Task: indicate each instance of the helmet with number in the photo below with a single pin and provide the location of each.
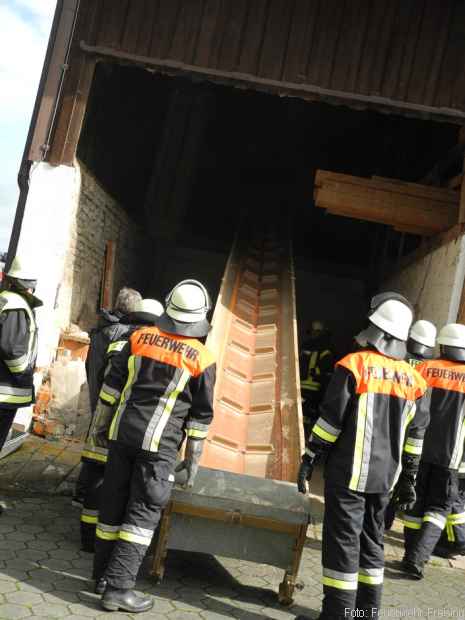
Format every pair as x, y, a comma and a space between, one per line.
451, 339
422, 339
186, 311
390, 318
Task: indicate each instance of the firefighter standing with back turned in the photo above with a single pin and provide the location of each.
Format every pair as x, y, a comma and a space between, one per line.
420, 347
162, 383
316, 362
138, 312
437, 483
371, 424
18, 342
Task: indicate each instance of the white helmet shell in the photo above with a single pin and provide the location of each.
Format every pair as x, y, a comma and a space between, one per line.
22, 268
424, 332
393, 317
452, 335
151, 306
188, 302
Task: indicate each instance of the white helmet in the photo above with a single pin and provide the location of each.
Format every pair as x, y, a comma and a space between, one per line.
452, 335
392, 316
22, 268
188, 302
424, 332
150, 306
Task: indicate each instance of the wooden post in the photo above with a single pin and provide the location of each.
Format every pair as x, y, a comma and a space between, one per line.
106, 300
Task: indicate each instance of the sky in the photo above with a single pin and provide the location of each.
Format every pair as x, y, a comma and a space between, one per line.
24, 31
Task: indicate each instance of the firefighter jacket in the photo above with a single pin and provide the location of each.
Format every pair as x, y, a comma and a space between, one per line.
316, 365
18, 348
374, 410
444, 439
163, 386
106, 341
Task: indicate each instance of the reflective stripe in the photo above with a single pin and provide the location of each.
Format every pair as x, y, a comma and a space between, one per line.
139, 535
413, 446
457, 453
359, 441
367, 440
89, 516
170, 402
91, 453
192, 432
116, 346
107, 532
158, 411
107, 398
19, 364
325, 431
133, 372
450, 532
7, 398
339, 580
456, 519
197, 429
310, 453
413, 523
371, 576
436, 519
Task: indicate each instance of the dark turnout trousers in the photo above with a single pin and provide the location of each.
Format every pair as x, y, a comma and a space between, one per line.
7, 415
353, 551
94, 476
136, 488
437, 490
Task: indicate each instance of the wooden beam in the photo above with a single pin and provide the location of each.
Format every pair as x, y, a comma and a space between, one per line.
407, 207
462, 199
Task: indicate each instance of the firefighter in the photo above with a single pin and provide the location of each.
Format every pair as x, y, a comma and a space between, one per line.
420, 347
109, 330
18, 341
316, 365
437, 482
116, 334
159, 389
374, 400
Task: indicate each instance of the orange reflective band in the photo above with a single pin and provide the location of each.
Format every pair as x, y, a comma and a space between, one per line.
185, 353
378, 374
443, 374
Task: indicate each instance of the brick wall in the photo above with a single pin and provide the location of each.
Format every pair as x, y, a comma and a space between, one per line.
434, 283
100, 219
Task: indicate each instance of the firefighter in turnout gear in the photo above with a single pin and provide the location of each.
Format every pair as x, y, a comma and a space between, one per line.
111, 328
420, 347
145, 312
316, 365
437, 482
159, 390
18, 341
371, 426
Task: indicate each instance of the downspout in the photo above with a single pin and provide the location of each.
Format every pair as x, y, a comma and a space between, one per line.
26, 163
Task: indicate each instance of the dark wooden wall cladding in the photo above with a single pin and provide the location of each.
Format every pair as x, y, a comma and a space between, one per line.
405, 50
388, 54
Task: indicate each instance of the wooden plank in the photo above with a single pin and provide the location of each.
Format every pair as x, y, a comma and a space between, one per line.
276, 38
399, 37
444, 15
106, 300
330, 26
135, 17
383, 47
357, 49
234, 30
440, 194
415, 20
112, 26
292, 71
373, 36
344, 56
253, 36
186, 31
454, 59
207, 32
164, 28
150, 18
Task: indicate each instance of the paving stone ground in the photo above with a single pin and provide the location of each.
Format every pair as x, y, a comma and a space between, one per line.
44, 574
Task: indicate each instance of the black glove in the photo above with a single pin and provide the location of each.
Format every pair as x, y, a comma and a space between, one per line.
404, 496
194, 448
305, 473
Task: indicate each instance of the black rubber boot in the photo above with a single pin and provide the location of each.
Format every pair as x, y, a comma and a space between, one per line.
412, 570
125, 600
100, 586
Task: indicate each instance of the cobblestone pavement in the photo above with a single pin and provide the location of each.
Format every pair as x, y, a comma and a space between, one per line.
43, 574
